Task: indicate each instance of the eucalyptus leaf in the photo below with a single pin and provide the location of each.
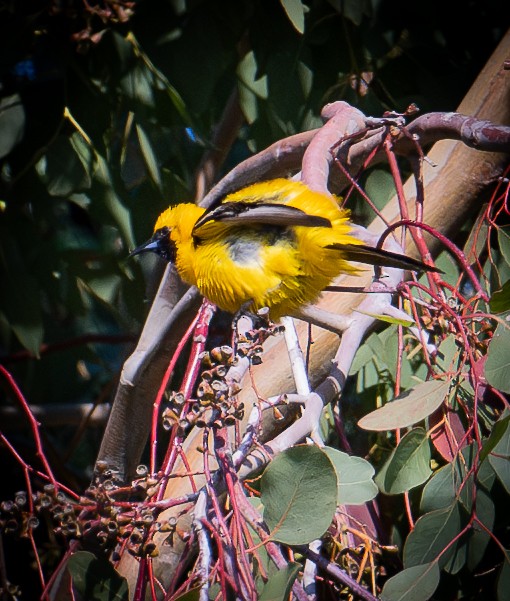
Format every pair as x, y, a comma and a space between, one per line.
499, 458
296, 12
149, 156
388, 319
408, 465
500, 300
12, 123
299, 491
355, 478
441, 490
417, 583
497, 366
504, 242
479, 538
503, 590
279, 585
408, 408
431, 535
96, 579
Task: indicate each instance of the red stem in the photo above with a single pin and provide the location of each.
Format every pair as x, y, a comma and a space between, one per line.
161, 391
34, 426
459, 255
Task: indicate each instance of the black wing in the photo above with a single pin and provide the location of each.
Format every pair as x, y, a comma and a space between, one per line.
251, 213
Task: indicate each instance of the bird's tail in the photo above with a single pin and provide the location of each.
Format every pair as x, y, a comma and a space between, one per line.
378, 256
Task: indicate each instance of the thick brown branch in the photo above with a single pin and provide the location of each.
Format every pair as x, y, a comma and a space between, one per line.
223, 137
475, 133
277, 160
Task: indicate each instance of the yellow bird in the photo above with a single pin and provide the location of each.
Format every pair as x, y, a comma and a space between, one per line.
274, 244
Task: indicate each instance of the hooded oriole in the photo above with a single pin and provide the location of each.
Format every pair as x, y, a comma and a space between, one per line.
275, 244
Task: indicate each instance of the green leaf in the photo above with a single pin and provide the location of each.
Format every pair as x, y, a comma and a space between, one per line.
387, 319
451, 481
431, 535
498, 431
296, 12
500, 300
441, 490
408, 465
499, 458
380, 187
363, 356
279, 585
504, 580
298, 491
96, 579
355, 478
497, 366
105, 194
20, 295
21, 305
479, 538
63, 169
247, 73
504, 243
486, 475
12, 123
412, 584
448, 354
410, 407
148, 156
192, 595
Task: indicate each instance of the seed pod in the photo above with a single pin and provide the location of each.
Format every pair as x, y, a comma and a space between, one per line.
101, 466
49, 489
216, 354
7, 506
20, 498
204, 390
136, 537
205, 358
148, 519
219, 386
32, 522
178, 398
111, 526
227, 352
221, 371
150, 549
142, 470
45, 501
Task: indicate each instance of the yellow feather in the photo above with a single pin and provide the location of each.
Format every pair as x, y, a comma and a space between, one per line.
281, 267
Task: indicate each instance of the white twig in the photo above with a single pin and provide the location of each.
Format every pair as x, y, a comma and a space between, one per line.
204, 554
310, 572
297, 362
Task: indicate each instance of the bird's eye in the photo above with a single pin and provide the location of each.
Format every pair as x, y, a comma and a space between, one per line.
162, 233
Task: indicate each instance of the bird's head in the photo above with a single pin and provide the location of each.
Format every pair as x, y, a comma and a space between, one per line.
160, 243
173, 229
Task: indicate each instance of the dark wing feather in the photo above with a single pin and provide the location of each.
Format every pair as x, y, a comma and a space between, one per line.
251, 213
381, 257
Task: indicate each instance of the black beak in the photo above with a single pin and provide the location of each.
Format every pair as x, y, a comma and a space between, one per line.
160, 243
149, 246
